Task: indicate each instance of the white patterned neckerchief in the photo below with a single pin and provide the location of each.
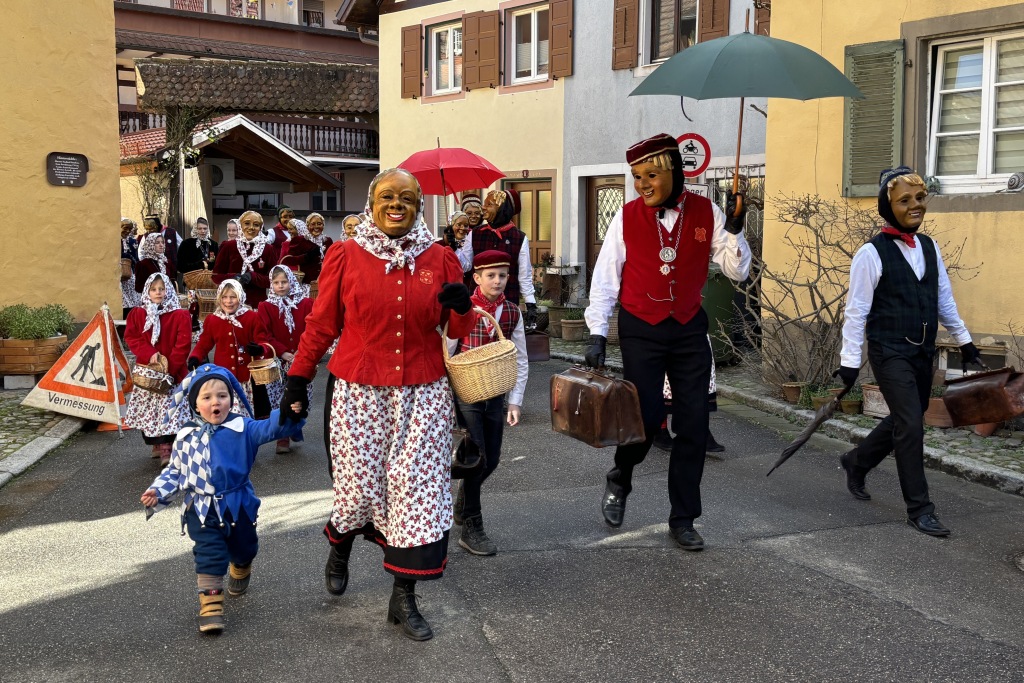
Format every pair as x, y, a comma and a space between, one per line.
154, 311
147, 250
257, 243
290, 301
398, 252
242, 308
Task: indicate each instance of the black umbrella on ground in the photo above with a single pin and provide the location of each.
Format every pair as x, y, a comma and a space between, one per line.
824, 413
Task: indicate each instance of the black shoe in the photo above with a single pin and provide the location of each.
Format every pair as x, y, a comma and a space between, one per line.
663, 440
474, 538
459, 505
687, 538
713, 446
929, 524
402, 610
613, 507
854, 480
336, 571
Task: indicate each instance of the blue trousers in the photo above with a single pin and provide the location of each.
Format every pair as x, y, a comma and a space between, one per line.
215, 545
485, 422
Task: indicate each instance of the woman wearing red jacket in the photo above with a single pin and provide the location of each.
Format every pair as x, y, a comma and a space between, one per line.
152, 260
157, 329
283, 316
236, 331
247, 259
300, 253
389, 421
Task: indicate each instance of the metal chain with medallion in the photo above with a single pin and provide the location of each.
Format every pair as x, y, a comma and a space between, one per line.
668, 254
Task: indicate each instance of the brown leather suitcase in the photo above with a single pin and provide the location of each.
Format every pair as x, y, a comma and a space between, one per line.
538, 346
984, 397
595, 408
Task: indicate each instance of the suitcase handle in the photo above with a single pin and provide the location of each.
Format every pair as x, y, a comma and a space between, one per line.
554, 398
579, 402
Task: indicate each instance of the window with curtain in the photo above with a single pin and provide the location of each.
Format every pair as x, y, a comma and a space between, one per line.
977, 113
446, 59
247, 9
672, 26
530, 44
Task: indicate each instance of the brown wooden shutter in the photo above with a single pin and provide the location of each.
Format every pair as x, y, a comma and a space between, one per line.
714, 19
762, 19
626, 34
560, 32
481, 46
412, 61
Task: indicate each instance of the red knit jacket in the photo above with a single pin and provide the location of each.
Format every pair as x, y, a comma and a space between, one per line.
174, 342
230, 342
229, 264
302, 255
145, 268
279, 337
390, 320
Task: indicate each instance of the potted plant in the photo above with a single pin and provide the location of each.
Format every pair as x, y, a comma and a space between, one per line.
820, 396
792, 391
542, 314
874, 402
986, 428
32, 339
937, 415
574, 327
852, 402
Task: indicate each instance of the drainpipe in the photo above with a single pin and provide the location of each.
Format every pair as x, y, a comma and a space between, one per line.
366, 41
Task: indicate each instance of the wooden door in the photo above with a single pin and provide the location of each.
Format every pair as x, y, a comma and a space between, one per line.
605, 196
536, 218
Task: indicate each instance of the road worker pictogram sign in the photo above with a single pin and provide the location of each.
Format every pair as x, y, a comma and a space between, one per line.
90, 379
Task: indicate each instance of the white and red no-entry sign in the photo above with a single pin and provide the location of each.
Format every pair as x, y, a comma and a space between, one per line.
696, 153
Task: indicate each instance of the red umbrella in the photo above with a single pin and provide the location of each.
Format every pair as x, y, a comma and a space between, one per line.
447, 170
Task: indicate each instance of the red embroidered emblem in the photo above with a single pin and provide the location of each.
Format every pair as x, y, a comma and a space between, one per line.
427, 277
700, 234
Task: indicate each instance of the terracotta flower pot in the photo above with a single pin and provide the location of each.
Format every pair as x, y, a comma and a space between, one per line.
874, 402
791, 390
851, 406
819, 401
574, 330
986, 429
937, 415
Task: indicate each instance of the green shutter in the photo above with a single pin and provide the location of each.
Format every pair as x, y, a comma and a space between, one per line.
873, 126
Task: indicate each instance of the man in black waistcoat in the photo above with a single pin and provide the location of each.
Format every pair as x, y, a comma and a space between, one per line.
899, 293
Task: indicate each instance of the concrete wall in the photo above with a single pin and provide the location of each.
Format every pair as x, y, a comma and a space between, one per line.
601, 121
60, 64
805, 153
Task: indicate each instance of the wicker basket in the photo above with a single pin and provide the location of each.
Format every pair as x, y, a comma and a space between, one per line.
299, 275
199, 279
314, 289
207, 302
126, 269
153, 377
265, 370
484, 372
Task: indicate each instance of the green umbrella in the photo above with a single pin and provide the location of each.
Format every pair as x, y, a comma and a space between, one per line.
747, 65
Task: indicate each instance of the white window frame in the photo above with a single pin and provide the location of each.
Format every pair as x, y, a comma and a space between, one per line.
983, 180
534, 77
646, 24
453, 51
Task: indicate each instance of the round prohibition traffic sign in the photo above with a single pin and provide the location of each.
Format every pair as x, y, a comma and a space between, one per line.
696, 153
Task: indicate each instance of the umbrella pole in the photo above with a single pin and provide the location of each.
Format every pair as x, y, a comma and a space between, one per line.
736, 171
444, 190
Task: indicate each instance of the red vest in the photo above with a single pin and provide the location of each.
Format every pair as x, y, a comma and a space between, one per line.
645, 291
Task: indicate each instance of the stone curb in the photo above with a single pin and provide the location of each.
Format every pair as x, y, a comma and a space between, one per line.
993, 476
29, 454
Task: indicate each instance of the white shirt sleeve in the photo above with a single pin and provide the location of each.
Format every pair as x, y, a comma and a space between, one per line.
949, 316
526, 273
515, 397
271, 235
865, 271
607, 278
729, 251
465, 253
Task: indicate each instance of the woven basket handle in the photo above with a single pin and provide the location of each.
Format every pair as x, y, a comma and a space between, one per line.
160, 365
477, 309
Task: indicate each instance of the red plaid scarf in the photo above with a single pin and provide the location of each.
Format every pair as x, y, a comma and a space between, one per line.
483, 333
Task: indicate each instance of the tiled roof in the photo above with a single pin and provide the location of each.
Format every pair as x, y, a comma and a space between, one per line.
203, 47
142, 143
281, 87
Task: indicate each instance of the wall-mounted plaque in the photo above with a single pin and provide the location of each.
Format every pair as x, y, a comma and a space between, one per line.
66, 168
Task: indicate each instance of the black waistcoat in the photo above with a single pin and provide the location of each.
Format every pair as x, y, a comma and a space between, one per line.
904, 313
510, 242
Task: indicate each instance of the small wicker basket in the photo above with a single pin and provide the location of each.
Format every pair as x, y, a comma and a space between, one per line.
265, 370
126, 269
299, 275
314, 289
153, 377
207, 302
199, 279
484, 372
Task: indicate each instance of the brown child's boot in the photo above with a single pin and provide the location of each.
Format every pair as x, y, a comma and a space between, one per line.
238, 579
156, 451
211, 611
165, 454
284, 446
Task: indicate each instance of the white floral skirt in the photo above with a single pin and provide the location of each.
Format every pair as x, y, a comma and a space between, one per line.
129, 297
275, 390
712, 388
147, 410
391, 460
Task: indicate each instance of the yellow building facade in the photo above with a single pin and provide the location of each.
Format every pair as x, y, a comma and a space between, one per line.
953, 118
517, 127
62, 242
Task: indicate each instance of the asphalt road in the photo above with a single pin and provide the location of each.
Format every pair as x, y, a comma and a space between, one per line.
799, 581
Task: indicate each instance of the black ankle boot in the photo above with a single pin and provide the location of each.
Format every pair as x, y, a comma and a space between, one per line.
336, 571
402, 610
475, 539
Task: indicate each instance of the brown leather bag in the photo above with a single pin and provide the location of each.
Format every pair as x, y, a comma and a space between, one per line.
983, 397
538, 346
595, 408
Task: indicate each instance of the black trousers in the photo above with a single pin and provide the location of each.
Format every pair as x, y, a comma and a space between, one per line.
649, 352
485, 422
905, 379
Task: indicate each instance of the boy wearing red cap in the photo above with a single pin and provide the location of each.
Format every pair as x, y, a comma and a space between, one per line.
485, 419
655, 259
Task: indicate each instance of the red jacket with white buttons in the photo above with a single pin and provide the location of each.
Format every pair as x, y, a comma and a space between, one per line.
390, 321
280, 338
230, 342
173, 344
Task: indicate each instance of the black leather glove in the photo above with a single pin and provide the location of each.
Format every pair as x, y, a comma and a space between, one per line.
595, 352
244, 279
294, 392
449, 237
255, 350
531, 316
193, 363
455, 295
847, 375
733, 223
969, 354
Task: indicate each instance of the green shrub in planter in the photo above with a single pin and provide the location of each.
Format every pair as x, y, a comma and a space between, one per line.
21, 322
574, 313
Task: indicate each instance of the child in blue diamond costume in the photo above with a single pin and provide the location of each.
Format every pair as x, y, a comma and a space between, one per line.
210, 465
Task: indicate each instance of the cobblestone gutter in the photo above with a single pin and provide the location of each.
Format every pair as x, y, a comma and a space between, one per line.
27, 434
